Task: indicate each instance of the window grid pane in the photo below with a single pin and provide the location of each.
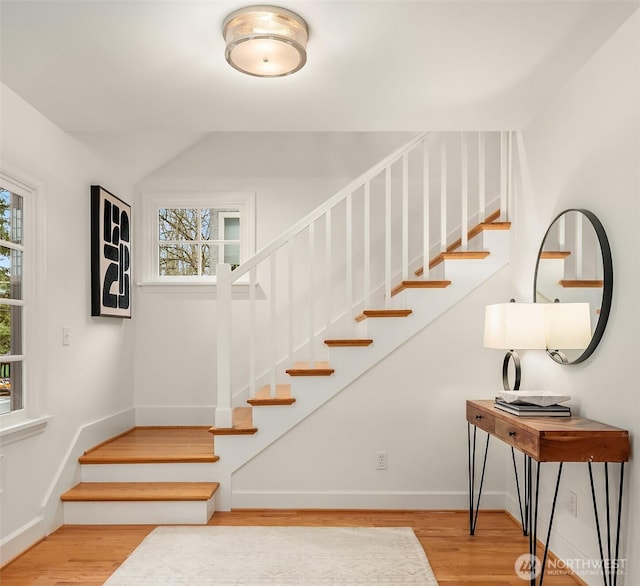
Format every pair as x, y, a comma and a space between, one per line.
191, 241
177, 224
179, 259
11, 315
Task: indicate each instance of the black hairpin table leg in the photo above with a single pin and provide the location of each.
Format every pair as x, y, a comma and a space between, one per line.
610, 565
524, 510
474, 505
537, 571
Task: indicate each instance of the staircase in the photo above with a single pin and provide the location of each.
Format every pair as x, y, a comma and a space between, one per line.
148, 475
367, 278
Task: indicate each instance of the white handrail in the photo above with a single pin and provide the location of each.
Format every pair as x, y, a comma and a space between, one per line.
327, 205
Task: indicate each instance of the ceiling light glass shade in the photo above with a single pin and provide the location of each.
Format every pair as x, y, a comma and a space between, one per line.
515, 326
265, 41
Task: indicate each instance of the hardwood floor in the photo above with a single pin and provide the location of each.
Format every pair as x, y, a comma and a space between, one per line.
88, 555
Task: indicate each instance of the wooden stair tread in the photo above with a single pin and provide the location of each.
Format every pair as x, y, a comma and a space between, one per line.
426, 284
141, 491
349, 342
263, 396
488, 224
466, 254
242, 423
152, 445
495, 226
306, 369
551, 254
593, 283
383, 313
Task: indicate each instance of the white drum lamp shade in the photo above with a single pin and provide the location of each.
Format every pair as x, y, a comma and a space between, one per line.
569, 326
515, 326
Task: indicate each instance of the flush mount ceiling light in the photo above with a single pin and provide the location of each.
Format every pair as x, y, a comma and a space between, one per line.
265, 41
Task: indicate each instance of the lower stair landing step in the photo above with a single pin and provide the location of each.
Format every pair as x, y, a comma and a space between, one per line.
141, 491
155, 445
126, 503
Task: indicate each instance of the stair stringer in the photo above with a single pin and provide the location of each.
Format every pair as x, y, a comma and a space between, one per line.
350, 363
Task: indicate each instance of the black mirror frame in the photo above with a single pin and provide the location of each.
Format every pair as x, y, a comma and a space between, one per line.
607, 290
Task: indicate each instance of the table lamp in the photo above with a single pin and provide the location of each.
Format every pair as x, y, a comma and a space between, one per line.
515, 326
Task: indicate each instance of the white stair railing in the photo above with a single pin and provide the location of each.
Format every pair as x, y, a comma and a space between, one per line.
347, 254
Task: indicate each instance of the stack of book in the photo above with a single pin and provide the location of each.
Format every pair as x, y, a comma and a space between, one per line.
523, 409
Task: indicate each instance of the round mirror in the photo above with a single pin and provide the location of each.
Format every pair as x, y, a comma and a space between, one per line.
574, 271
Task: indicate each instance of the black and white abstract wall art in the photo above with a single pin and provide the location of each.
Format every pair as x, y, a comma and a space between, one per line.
110, 254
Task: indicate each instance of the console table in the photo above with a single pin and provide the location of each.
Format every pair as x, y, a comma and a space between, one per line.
549, 439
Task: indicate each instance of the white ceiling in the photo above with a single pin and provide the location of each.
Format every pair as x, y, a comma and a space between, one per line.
157, 67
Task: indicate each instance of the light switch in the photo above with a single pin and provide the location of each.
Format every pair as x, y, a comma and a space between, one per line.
66, 336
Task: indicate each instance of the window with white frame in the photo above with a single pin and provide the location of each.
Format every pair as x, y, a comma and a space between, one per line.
186, 236
22, 296
11, 301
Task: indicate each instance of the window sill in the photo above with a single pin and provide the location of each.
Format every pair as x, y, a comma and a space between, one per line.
238, 290
23, 430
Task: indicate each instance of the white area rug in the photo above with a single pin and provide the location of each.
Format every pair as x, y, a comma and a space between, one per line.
278, 556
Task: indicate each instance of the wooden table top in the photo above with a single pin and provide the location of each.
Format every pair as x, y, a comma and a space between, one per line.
552, 439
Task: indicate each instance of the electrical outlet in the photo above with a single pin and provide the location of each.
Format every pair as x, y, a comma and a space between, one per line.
572, 505
382, 460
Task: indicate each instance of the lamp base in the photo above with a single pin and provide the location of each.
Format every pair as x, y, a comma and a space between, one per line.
511, 354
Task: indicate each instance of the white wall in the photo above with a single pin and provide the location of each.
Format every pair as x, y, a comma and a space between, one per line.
291, 174
583, 151
411, 405
89, 380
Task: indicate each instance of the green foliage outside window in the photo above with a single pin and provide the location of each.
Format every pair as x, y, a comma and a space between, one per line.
10, 268
5, 273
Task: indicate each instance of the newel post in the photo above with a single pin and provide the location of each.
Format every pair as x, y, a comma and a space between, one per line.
223, 294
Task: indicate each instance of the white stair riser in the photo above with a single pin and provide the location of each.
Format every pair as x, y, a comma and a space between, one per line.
169, 472
138, 512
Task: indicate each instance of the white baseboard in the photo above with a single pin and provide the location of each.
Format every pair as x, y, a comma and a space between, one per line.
362, 500
21, 539
150, 415
68, 474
